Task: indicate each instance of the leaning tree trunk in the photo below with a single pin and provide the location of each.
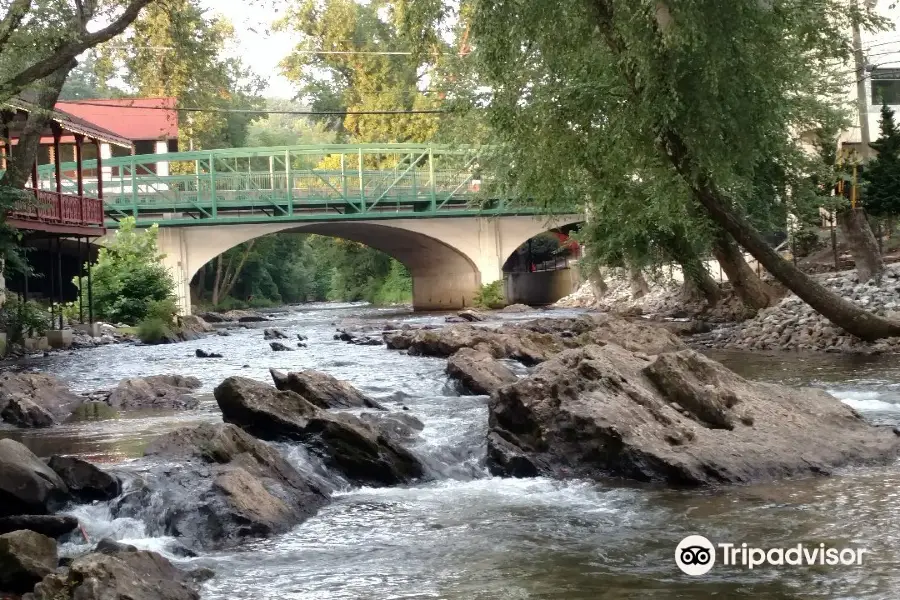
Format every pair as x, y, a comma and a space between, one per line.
698, 282
598, 284
862, 243
752, 290
639, 285
846, 315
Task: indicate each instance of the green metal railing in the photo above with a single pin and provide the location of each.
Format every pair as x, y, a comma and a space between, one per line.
294, 183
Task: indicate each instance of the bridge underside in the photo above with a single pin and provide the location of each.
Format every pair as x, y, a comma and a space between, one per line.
449, 258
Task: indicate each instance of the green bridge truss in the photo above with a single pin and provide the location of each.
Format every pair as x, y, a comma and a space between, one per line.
288, 183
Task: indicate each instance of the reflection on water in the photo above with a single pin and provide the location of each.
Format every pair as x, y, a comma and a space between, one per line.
470, 536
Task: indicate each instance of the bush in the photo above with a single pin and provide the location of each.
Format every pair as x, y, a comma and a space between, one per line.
23, 319
163, 310
129, 276
490, 295
154, 331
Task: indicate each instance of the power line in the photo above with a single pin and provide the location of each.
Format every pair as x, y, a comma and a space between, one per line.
265, 111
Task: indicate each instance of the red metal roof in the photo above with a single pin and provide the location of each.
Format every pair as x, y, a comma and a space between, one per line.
132, 118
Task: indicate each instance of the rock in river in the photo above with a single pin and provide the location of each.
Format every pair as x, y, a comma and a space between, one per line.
27, 485
279, 347
273, 333
526, 346
221, 486
479, 372
85, 481
323, 390
50, 525
345, 443
155, 392
26, 557
678, 418
35, 399
120, 572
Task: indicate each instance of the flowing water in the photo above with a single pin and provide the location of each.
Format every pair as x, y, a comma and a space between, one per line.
471, 536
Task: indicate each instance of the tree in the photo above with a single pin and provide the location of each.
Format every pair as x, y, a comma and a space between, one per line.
882, 174
696, 99
176, 49
129, 279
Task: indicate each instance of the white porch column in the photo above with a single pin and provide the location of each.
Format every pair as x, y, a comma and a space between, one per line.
106, 153
162, 168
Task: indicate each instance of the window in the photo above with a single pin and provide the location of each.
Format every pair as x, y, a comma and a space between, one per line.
885, 87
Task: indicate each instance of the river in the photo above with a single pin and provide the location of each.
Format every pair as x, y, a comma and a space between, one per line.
470, 536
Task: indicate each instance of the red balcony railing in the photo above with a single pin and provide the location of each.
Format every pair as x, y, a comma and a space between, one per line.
60, 209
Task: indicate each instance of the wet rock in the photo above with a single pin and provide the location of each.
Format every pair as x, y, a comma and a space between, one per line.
454, 320
526, 346
85, 481
22, 412
224, 486
344, 336
399, 426
598, 412
27, 485
50, 525
366, 341
193, 324
323, 390
472, 316
274, 334
204, 354
279, 347
516, 308
119, 572
301, 337
26, 557
211, 317
478, 372
155, 392
244, 316
345, 443
34, 396
223, 333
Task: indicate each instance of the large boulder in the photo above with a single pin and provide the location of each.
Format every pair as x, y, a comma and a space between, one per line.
322, 389
215, 486
471, 315
50, 525
401, 427
478, 372
158, 392
28, 399
21, 411
632, 334
192, 327
119, 572
528, 347
678, 418
345, 443
85, 481
274, 333
26, 557
27, 485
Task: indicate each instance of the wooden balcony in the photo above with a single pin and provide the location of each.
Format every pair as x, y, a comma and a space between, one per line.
56, 213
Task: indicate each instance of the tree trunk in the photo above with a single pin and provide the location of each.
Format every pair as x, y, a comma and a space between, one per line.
639, 285
752, 290
861, 241
698, 282
846, 315
26, 150
217, 283
231, 276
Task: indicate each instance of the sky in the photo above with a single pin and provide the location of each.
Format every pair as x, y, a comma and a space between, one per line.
258, 46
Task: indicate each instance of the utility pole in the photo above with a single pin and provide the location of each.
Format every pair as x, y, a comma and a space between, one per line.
861, 100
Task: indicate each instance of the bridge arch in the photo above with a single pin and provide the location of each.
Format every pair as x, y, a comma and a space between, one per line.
448, 258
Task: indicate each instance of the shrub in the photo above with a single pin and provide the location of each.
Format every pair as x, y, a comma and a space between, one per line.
490, 295
163, 310
23, 319
154, 331
129, 276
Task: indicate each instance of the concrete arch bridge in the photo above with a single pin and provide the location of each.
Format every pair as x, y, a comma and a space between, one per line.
421, 204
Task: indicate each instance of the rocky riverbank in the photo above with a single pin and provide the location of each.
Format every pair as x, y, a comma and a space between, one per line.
792, 325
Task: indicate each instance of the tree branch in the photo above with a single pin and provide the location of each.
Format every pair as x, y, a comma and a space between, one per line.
65, 53
13, 18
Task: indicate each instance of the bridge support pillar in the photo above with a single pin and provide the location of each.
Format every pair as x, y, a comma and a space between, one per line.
173, 245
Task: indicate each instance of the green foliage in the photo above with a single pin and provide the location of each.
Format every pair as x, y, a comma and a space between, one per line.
882, 175
162, 310
23, 319
129, 277
154, 330
490, 295
176, 49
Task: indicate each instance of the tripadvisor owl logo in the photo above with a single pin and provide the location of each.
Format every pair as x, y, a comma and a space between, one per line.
695, 555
